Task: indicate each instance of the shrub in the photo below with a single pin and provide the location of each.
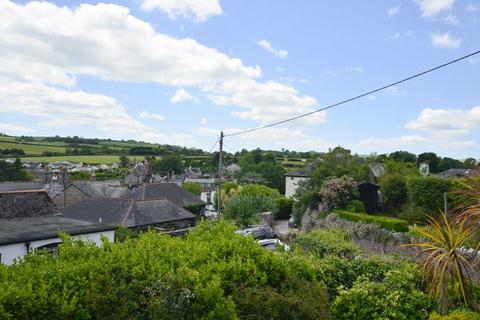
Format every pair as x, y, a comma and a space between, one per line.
384, 222
427, 192
244, 209
394, 191
337, 192
396, 297
355, 206
193, 187
158, 277
456, 315
257, 190
327, 242
303, 300
284, 206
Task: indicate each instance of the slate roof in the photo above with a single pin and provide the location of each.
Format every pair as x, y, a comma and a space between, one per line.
16, 186
46, 227
458, 173
22, 204
169, 191
102, 189
127, 212
304, 172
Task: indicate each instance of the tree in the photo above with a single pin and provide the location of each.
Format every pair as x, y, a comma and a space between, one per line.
166, 165
431, 158
449, 163
244, 209
13, 171
470, 163
337, 192
337, 163
193, 187
124, 161
403, 156
444, 267
394, 191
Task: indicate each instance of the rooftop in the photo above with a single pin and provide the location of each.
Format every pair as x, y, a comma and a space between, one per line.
27, 203
169, 191
45, 227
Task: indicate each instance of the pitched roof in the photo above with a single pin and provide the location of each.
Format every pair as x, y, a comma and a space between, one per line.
127, 212
169, 191
45, 227
458, 173
306, 171
102, 189
16, 186
29, 203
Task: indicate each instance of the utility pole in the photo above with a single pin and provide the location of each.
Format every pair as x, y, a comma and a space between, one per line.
220, 171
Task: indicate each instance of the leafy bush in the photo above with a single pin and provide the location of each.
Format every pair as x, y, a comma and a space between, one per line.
456, 315
257, 190
384, 222
326, 242
337, 192
193, 187
427, 192
158, 277
284, 206
396, 297
244, 209
355, 206
394, 191
302, 300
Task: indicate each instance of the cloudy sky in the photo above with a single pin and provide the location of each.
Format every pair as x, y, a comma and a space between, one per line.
179, 71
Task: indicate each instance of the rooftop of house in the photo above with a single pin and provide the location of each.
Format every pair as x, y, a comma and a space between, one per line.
45, 227
458, 173
126, 212
303, 172
16, 186
25, 203
170, 191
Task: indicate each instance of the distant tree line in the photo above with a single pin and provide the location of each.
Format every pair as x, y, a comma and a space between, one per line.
13, 171
5, 153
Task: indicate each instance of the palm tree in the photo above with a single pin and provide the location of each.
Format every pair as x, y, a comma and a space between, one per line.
444, 267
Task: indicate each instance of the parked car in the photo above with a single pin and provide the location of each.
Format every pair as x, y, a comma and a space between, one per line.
291, 222
258, 232
211, 214
273, 244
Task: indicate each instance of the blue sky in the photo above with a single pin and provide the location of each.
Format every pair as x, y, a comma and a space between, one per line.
178, 71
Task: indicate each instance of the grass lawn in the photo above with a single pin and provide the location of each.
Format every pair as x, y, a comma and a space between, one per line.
30, 149
91, 159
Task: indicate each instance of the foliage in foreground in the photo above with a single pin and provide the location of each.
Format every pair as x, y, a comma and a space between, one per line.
245, 209
327, 242
212, 274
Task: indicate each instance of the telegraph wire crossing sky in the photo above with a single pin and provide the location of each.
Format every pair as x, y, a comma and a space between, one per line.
180, 71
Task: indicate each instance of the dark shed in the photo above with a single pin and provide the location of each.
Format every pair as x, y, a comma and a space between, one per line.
369, 195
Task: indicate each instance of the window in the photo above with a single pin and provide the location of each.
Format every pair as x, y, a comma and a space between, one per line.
48, 248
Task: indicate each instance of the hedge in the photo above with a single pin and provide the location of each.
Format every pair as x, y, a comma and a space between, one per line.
384, 222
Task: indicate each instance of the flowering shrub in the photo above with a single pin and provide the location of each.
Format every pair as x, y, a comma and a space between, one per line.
337, 192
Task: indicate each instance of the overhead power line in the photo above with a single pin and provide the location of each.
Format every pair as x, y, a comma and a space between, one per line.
356, 97
211, 149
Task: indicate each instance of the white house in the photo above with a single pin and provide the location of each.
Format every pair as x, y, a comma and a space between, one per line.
23, 235
293, 178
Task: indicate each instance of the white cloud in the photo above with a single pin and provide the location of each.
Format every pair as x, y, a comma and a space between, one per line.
267, 102
197, 10
450, 121
373, 144
445, 41
66, 108
41, 42
181, 139
393, 11
431, 8
471, 8
401, 35
14, 129
474, 60
148, 115
268, 46
182, 95
204, 121
356, 69
451, 19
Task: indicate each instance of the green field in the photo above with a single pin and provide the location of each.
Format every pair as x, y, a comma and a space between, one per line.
31, 148
93, 159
